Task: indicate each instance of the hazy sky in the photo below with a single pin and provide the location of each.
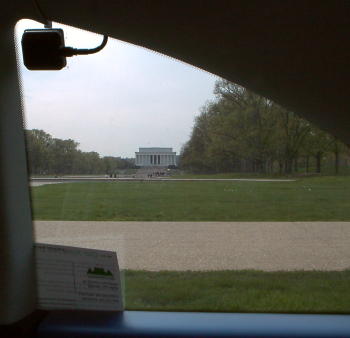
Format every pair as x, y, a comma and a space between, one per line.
117, 100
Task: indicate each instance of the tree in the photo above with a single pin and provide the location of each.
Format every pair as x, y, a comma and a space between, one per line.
291, 131
47, 155
337, 148
242, 131
39, 144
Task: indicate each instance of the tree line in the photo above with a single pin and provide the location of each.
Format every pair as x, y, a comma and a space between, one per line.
240, 131
53, 156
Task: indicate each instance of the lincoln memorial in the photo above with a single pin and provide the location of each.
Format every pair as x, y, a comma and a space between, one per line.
155, 157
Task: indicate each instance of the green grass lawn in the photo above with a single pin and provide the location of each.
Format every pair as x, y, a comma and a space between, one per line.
239, 291
309, 199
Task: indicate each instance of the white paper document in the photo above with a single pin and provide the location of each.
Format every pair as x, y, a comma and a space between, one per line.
77, 278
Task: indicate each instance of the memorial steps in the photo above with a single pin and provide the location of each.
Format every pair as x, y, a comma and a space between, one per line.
144, 172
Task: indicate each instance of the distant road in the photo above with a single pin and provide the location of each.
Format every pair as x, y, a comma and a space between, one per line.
40, 181
157, 246
34, 183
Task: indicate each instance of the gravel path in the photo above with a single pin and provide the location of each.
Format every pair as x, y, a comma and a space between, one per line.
34, 182
38, 184
156, 246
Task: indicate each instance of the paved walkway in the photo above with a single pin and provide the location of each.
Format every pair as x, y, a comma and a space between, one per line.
210, 245
38, 184
41, 181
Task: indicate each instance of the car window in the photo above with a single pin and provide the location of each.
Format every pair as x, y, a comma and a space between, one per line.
214, 198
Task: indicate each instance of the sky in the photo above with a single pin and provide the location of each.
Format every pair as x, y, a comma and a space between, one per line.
117, 100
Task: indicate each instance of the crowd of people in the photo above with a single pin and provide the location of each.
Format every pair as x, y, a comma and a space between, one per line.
156, 174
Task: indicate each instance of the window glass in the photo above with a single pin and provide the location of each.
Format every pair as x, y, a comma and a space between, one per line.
213, 197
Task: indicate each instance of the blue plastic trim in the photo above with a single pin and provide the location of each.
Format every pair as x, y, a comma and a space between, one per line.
188, 324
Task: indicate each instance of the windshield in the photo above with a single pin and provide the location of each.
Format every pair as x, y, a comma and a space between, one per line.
213, 197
